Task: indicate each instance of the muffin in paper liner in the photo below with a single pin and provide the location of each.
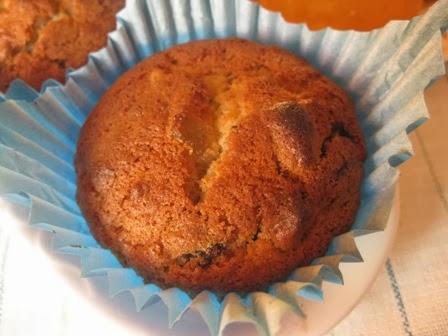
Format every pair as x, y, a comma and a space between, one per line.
385, 71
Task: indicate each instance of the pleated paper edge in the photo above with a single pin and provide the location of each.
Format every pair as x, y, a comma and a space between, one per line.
255, 307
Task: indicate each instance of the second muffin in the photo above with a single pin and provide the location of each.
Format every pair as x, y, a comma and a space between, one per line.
40, 39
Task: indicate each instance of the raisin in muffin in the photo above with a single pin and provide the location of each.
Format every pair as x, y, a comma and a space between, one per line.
221, 165
40, 39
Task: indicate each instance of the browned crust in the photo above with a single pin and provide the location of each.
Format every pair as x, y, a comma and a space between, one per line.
221, 165
40, 39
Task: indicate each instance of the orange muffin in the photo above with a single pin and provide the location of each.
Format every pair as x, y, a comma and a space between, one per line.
347, 14
220, 165
40, 39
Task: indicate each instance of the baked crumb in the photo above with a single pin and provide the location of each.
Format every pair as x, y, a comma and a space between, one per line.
221, 165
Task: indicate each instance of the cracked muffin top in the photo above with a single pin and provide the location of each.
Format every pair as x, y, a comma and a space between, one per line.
40, 39
220, 165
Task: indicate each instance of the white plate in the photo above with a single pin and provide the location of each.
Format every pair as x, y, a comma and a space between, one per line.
44, 295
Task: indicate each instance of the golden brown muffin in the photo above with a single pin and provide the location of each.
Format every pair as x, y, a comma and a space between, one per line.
220, 164
40, 39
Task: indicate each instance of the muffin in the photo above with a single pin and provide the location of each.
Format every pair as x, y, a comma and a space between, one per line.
220, 165
346, 14
40, 39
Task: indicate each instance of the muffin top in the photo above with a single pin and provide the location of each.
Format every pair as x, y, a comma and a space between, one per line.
40, 39
220, 164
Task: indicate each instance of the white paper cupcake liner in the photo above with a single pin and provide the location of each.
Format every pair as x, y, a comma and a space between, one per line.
385, 71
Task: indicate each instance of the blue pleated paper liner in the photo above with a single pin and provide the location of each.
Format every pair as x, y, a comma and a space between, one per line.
385, 71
